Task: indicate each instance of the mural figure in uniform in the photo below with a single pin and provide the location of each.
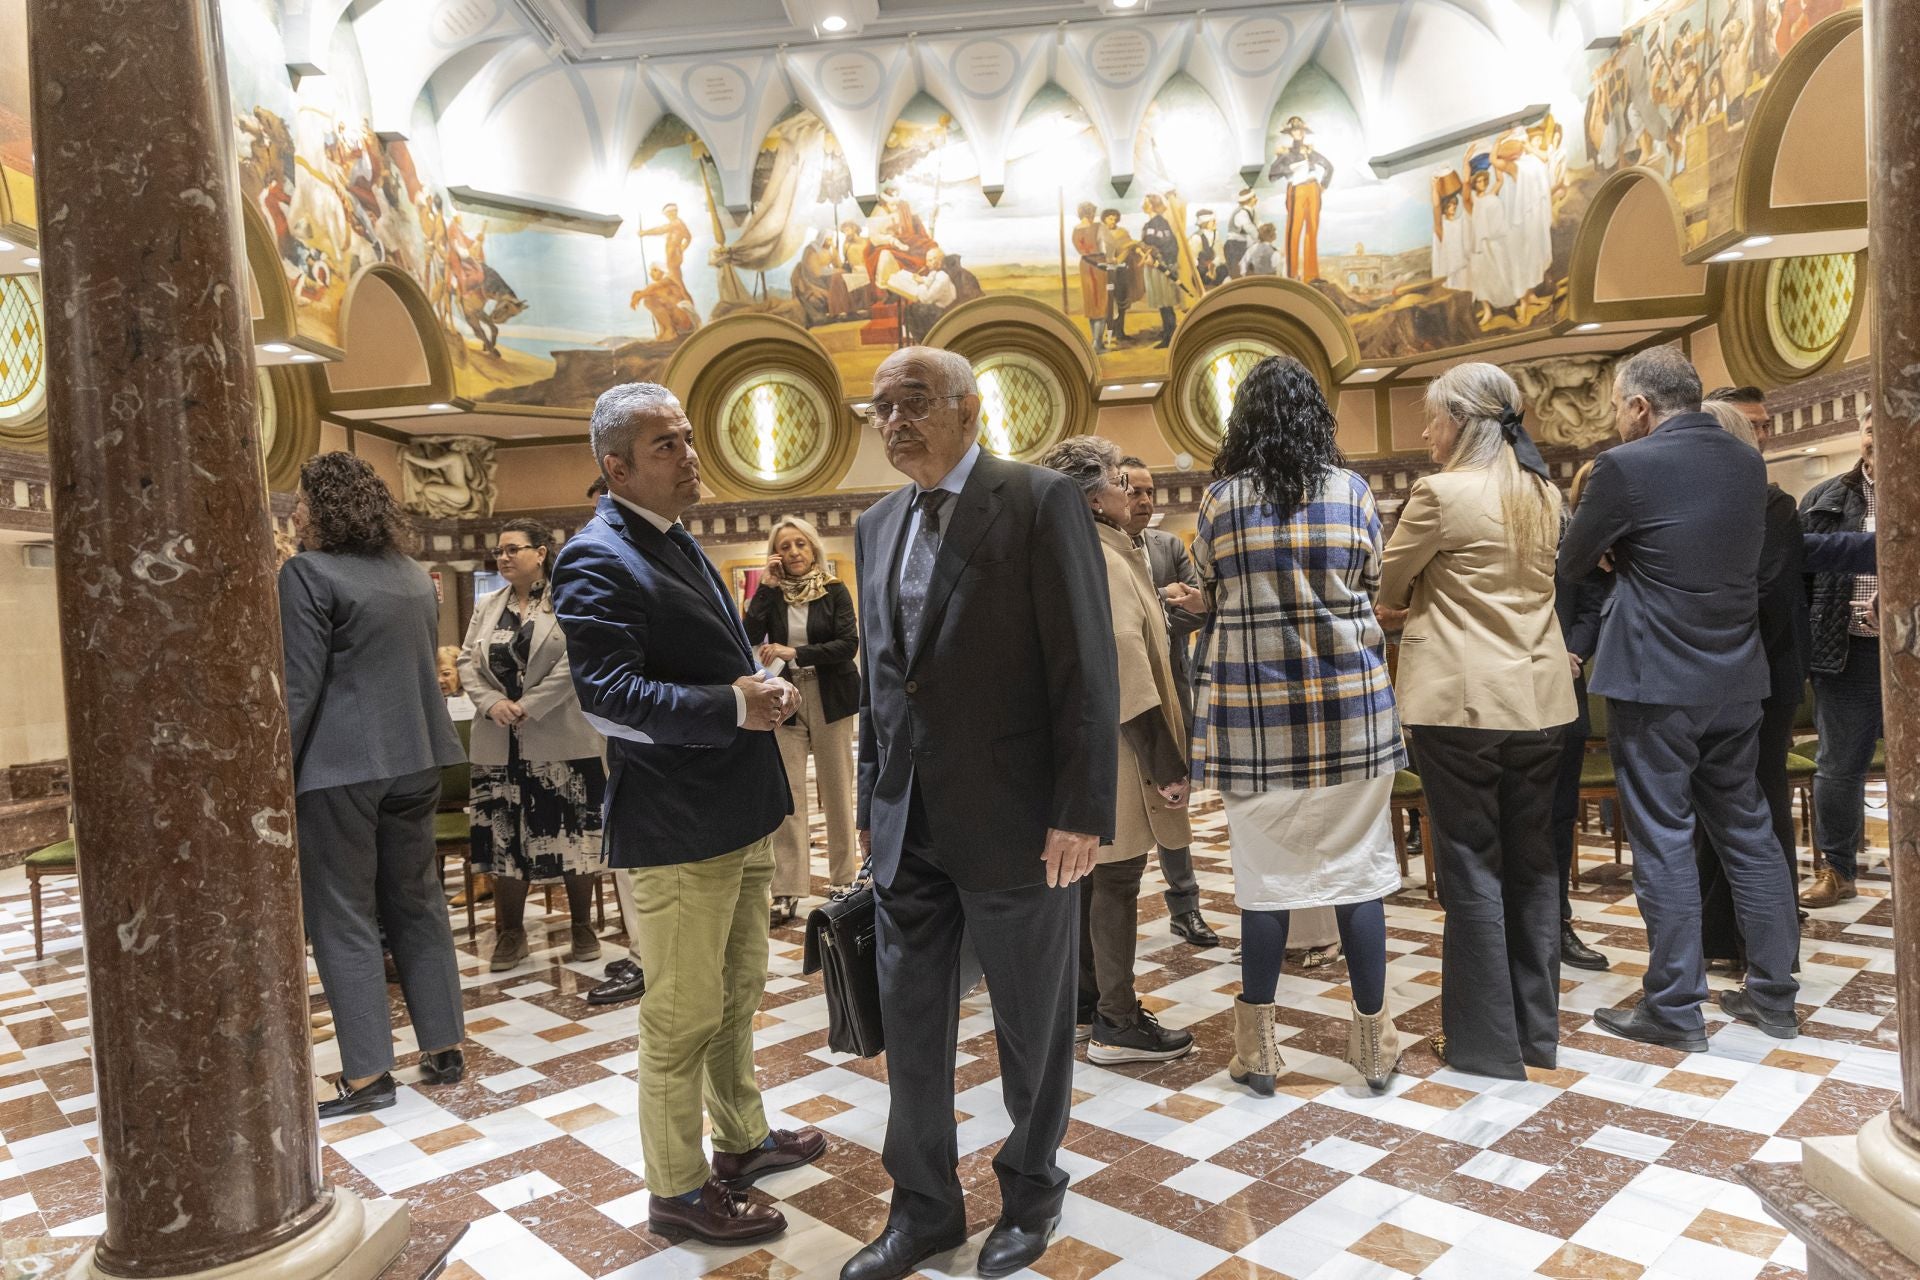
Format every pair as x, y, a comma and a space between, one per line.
1209, 259
1243, 230
1093, 271
1160, 265
1307, 174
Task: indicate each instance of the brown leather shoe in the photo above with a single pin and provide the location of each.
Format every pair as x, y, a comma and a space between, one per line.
721, 1217
791, 1148
1827, 888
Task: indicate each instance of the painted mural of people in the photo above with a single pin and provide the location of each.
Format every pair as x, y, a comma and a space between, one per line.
1161, 265
1209, 258
667, 302
929, 292
1243, 229
1494, 276
1307, 174
813, 279
1526, 192
677, 239
1264, 258
1123, 281
1093, 275
1452, 232
897, 240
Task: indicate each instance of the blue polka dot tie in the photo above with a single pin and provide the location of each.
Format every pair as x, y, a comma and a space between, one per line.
918, 575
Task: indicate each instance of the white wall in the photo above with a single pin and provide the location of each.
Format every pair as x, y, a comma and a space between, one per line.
33, 715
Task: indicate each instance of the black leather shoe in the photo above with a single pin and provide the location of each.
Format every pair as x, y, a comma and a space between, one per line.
1189, 925
449, 1066
1577, 953
1739, 1006
624, 967
628, 984
377, 1096
896, 1254
1637, 1024
1009, 1248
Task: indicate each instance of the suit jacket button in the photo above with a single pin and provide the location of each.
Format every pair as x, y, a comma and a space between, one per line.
913, 686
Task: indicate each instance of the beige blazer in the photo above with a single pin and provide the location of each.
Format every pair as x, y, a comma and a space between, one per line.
554, 728
1481, 648
1141, 816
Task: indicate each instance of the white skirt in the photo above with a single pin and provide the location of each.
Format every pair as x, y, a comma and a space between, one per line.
1312, 847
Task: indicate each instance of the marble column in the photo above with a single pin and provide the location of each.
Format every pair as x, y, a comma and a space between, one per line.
182, 776
1856, 1201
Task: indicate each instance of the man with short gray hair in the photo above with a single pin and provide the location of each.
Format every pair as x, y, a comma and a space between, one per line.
1681, 508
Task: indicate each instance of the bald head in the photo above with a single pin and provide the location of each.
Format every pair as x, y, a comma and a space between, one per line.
927, 407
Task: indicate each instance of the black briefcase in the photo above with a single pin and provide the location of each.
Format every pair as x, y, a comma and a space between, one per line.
841, 947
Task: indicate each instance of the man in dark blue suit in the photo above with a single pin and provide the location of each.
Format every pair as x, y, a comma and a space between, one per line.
989, 741
1682, 506
694, 793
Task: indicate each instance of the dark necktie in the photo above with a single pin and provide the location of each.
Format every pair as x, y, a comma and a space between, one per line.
677, 534
917, 576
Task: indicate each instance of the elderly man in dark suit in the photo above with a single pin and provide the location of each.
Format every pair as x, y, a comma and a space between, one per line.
695, 792
1178, 582
989, 744
1681, 506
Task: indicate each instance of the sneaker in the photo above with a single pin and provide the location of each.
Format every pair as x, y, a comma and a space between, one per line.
1083, 1023
1142, 1040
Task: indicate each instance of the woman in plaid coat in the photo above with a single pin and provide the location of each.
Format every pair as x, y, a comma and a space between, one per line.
1294, 718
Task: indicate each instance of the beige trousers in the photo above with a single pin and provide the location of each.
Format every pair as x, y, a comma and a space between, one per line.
832, 747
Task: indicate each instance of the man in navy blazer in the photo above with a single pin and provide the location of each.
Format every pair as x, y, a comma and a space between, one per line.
989, 740
694, 794
1682, 507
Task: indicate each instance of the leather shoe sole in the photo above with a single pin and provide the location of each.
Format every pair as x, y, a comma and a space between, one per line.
896, 1255
1633, 1025
1009, 1249
791, 1149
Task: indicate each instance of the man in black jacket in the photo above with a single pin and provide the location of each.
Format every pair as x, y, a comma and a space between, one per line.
1845, 660
1681, 506
989, 744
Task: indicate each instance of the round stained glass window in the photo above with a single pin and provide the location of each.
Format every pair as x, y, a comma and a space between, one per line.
1809, 301
1215, 379
1022, 406
23, 351
774, 428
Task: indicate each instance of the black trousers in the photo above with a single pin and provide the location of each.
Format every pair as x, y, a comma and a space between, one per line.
1566, 794
1109, 920
1490, 798
1029, 944
1719, 931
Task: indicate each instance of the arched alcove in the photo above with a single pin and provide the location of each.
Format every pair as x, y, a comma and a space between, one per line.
395, 350
1629, 260
1023, 352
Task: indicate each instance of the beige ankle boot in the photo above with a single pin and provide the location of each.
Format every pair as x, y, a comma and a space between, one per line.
1373, 1046
1256, 1054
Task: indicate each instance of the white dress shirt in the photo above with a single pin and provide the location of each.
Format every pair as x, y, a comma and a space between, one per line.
955, 481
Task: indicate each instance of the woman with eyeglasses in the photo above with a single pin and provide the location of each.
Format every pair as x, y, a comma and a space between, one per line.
538, 775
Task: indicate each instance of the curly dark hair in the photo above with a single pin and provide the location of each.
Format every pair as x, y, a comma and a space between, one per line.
1282, 433
349, 508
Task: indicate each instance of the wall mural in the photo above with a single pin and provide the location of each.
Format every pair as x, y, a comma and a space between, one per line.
16, 138
1469, 248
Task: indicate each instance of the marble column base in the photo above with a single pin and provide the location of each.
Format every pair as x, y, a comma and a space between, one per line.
1874, 1176
356, 1240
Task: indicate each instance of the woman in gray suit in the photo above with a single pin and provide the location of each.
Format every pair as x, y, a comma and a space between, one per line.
370, 736
538, 777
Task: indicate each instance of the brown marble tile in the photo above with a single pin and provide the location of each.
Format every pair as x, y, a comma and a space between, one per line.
1097, 1144
1260, 1153
1243, 1269
758, 1265
446, 1139
1800, 1060
1399, 1248
1698, 1085
1155, 1164
1228, 1229
1444, 1096
1836, 1107
1742, 1235
814, 1110
1071, 1258
30, 1116
1422, 1164
1181, 1106
1577, 1262
580, 1118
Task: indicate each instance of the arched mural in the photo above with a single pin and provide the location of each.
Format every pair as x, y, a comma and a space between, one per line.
1466, 250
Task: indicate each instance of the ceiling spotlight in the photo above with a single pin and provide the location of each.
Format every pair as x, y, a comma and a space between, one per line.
1730, 255
1809, 449
833, 22
32, 262
441, 408
275, 348
1364, 373
1123, 4
1149, 386
1756, 242
1589, 327
305, 357
6, 246
1114, 391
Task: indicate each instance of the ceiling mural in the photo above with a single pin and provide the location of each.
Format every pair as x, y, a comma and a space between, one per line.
16, 139
572, 224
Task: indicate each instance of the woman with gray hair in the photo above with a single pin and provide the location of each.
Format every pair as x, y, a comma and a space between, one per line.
1151, 796
1485, 686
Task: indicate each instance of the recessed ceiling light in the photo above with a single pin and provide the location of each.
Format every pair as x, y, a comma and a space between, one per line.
1589, 327
1114, 391
440, 408
6, 246
1365, 373
1149, 386
32, 262
1729, 256
833, 22
1756, 242
275, 348
1125, 4
1809, 449
305, 357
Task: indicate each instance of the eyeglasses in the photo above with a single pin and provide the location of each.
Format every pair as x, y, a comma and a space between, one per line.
501, 553
913, 408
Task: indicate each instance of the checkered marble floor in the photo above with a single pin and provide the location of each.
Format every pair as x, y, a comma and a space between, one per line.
1616, 1166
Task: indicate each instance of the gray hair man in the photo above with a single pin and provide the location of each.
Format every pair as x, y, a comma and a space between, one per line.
1681, 506
989, 742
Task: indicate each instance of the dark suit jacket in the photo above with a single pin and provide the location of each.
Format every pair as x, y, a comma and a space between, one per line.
1785, 633
1011, 700
832, 640
1168, 563
363, 684
655, 646
1684, 510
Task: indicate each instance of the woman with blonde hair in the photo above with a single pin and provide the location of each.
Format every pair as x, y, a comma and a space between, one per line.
802, 619
1485, 689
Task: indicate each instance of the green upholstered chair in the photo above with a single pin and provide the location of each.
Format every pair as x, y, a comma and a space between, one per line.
1410, 798
54, 860
452, 832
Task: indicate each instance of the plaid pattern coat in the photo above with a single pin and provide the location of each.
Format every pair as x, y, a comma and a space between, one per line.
1293, 690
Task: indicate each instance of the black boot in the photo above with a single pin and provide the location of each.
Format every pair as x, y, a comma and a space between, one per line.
1577, 953
1166, 328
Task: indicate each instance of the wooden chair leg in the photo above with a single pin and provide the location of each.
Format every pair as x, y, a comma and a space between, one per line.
39, 940
1400, 840
1426, 855
466, 872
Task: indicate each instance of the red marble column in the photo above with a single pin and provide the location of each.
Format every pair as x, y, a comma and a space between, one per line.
1893, 219
182, 776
